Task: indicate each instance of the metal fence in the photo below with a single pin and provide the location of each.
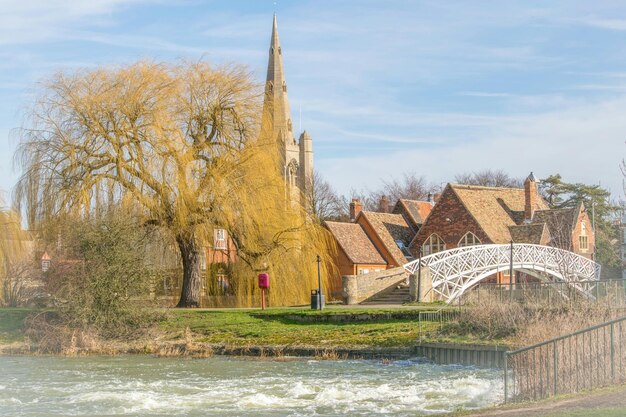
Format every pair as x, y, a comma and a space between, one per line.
589, 358
609, 292
440, 317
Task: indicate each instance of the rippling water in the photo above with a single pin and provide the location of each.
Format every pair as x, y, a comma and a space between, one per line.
147, 386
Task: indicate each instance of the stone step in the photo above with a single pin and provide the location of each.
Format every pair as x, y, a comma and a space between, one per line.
398, 295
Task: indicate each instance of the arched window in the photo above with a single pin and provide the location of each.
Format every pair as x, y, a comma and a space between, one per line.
284, 86
433, 244
292, 172
469, 239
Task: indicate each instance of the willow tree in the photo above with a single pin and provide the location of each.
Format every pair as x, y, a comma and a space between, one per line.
175, 140
11, 244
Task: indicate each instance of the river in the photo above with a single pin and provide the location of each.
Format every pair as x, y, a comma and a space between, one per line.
224, 386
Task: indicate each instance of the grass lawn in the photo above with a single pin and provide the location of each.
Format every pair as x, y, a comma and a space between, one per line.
251, 327
245, 327
12, 323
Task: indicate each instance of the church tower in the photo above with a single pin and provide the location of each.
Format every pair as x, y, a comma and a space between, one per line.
296, 158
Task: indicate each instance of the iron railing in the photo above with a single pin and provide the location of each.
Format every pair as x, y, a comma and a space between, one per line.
589, 358
608, 292
440, 317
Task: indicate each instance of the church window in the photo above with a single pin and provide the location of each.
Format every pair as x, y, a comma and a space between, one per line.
292, 171
284, 86
469, 239
280, 52
289, 125
272, 50
433, 244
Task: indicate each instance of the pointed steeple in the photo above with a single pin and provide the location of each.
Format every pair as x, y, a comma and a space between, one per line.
276, 111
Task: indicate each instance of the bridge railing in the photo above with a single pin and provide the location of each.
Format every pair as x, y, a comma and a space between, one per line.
454, 271
589, 358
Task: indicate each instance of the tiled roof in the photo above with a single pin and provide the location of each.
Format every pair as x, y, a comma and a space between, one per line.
536, 234
389, 228
416, 210
357, 246
495, 208
560, 223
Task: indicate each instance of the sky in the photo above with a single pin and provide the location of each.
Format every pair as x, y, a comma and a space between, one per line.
434, 88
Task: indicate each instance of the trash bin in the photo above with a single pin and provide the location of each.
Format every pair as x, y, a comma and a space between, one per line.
315, 300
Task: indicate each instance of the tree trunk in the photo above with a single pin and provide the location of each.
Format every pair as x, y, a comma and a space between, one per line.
192, 280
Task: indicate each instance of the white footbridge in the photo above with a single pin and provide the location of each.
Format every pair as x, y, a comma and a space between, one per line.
457, 270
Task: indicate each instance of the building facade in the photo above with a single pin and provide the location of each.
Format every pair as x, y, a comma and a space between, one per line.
468, 215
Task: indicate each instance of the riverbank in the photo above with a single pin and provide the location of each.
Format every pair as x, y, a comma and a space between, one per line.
333, 333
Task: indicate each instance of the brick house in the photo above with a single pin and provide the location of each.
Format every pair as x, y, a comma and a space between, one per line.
375, 241
468, 215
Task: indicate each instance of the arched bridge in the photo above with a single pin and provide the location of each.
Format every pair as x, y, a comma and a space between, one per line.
455, 271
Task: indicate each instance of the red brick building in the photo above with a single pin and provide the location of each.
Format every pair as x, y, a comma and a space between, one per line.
472, 215
376, 241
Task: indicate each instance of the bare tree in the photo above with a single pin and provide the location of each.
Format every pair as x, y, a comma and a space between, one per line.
488, 178
324, 202
410, 187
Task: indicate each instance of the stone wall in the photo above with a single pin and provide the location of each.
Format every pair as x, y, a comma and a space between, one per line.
357, 288
427, 295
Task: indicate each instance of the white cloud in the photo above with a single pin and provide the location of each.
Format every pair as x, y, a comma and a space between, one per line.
584, 144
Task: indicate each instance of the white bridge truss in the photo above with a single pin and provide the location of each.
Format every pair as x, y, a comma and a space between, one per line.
456, 270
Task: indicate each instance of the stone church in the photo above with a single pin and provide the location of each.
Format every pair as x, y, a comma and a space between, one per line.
296, 156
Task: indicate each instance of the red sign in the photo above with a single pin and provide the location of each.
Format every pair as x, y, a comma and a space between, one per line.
264, 281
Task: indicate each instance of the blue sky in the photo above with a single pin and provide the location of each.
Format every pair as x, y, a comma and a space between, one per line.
385, 87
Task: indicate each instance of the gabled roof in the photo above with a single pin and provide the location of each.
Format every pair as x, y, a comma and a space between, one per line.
536, 234
390, 228
416, 211
495, 209
357, 246
560, 223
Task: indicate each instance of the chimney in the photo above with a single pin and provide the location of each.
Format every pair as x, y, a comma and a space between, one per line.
431, 199
355, 208
383, 204
530, 197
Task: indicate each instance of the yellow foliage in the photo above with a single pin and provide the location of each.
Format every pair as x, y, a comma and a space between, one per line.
11, 243
182, 146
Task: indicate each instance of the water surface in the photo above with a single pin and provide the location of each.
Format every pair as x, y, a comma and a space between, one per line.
222, 386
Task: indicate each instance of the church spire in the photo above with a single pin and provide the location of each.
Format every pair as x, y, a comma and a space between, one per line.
276, 111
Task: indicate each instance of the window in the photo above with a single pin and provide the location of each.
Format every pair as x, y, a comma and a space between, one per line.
469, 239
583, 240
364, 271
219, 239
432, 245
583, 243
405, 250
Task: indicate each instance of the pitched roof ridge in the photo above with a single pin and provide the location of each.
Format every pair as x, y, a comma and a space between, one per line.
483, 187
